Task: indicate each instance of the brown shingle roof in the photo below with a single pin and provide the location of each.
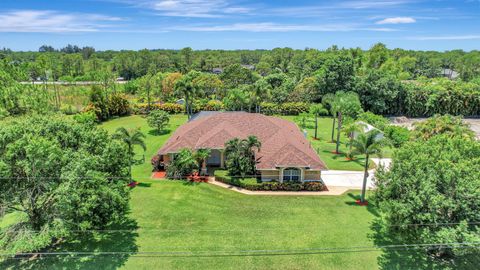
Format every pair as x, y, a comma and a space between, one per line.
282, 142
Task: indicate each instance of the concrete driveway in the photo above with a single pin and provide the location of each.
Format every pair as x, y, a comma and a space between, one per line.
352, 179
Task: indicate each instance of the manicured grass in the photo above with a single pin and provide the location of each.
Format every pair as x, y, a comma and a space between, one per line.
325, 147
154, 141
178, 225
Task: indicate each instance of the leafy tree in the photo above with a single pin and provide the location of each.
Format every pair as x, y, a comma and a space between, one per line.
235, 75
182, 164
240, 155
317, 110
131, 138
158, 119
380, 93
449, 125
433, 182
337, 74
168, 84
58, 174
237, 99
368, 143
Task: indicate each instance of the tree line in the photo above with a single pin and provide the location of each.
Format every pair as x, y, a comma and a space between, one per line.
388, 82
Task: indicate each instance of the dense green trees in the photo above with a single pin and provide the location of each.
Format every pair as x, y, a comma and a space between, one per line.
430, 194
388, 82
57, 175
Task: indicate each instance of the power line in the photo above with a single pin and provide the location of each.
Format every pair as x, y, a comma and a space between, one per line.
260, 230
257, 252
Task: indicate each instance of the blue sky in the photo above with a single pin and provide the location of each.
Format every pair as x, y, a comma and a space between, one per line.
240, 24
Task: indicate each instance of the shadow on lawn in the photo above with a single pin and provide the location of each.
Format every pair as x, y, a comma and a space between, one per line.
413, 258
402, 258
122, 239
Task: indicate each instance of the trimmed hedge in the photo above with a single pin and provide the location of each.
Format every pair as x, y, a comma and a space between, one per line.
254, 185
289, 108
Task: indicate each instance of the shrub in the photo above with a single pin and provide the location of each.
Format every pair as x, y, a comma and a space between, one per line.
171, 108
213, 105
269, 108
255, 184
88, 117
294, 108
69, 109
118, 105
289, 108
397, 135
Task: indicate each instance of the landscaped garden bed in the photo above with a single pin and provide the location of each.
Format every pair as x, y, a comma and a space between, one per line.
257, 185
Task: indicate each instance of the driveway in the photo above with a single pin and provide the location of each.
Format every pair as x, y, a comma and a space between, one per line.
352, 179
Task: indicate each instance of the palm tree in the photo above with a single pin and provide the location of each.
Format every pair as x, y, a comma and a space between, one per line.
201, 156
317, 110
349, 130
131, 138
241, 155
183, 163
368, 143
328, 101
185, 86
343, 104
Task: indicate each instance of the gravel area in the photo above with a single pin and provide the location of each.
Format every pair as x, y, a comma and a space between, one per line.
408, 122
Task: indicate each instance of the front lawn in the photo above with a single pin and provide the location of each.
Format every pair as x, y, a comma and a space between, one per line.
180, 225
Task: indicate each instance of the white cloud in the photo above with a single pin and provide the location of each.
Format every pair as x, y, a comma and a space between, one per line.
397, 20
193, 8
52, 21
274, 27
459, 37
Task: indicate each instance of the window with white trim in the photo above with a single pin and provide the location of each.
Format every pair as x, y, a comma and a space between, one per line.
291, 175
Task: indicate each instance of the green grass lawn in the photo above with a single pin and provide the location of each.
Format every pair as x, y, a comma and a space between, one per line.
324, 146
202, 226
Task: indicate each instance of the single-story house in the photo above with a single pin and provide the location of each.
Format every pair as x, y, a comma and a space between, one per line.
285, 154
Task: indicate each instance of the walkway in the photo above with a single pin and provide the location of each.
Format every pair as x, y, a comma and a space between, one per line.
332, 191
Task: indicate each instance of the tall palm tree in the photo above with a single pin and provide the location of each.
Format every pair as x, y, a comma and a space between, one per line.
186, 86
368, 143
317, 110
131, 138
328, 101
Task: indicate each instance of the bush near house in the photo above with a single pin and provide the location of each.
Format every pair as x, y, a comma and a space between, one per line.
254, 185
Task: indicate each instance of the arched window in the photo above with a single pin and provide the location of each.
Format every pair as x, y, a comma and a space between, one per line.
291, 175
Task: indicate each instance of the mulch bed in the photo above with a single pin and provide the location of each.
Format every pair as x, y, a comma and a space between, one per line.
358, 202
159, 175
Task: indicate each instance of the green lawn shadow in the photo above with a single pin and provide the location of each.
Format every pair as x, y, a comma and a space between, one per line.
119, 237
